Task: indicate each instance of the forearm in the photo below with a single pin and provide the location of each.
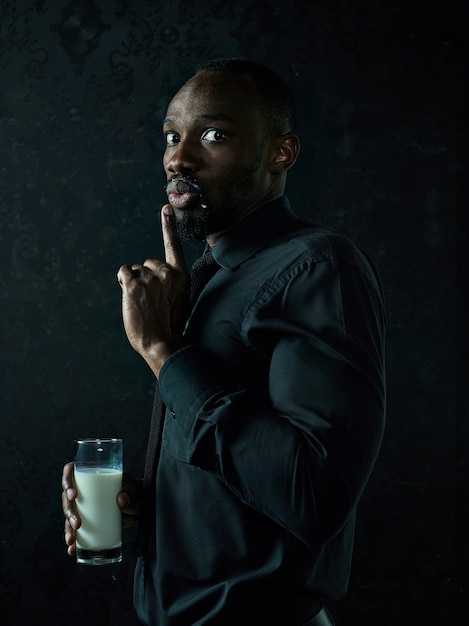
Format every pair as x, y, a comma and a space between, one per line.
285, 469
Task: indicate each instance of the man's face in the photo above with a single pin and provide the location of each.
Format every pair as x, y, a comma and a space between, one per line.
217, 154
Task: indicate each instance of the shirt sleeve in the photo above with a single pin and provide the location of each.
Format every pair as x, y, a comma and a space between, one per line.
303, 457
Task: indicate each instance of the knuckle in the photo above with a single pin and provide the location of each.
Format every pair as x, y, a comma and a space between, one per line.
165, 271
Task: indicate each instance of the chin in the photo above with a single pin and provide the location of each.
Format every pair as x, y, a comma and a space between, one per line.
192, 225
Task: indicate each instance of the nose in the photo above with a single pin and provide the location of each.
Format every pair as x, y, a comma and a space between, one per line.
181, 158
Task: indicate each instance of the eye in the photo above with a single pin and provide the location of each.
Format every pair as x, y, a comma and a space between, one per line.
172, 138
214, 135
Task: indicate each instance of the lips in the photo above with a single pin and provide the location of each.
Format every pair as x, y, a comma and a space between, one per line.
182, 192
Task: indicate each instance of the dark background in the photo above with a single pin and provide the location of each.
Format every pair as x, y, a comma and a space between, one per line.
84, 84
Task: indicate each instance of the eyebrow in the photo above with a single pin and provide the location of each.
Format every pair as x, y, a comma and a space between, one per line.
204, 118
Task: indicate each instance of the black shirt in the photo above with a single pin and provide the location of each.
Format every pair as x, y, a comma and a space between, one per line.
275, 417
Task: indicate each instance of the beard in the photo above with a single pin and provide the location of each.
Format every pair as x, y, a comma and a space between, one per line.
193, 225
208, 218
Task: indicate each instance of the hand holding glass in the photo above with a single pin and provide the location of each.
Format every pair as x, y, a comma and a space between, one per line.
98, 479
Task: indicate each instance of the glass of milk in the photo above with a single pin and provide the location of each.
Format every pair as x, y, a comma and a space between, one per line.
98, 479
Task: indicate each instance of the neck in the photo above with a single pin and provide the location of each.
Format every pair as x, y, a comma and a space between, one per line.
213, 238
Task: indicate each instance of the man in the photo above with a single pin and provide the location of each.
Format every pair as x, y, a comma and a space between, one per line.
273, 378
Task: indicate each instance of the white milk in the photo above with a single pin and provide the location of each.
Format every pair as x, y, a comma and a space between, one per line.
101, 518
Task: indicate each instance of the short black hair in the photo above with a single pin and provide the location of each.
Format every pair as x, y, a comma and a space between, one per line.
273, 90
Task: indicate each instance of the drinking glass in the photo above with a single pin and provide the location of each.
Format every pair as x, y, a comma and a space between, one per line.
98, 479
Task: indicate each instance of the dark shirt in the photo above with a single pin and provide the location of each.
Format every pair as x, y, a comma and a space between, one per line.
275, 417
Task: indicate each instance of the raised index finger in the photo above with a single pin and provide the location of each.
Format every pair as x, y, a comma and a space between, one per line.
172, 244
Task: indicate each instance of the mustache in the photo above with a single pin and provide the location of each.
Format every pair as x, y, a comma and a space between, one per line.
183, 184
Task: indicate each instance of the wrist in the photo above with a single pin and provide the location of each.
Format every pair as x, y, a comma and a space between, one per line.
159, 354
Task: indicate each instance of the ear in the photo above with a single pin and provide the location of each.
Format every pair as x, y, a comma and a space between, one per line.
285, 153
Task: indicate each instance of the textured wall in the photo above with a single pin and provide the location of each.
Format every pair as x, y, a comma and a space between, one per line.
83, 86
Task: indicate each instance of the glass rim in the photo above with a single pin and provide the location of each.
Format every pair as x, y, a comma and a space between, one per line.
98, 440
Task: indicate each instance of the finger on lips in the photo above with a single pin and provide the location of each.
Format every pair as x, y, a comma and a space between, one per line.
171, 242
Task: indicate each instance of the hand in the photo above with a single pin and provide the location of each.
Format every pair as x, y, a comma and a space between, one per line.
155, 299
128, 500
72, 519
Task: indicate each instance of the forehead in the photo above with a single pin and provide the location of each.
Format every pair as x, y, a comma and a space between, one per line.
217, 94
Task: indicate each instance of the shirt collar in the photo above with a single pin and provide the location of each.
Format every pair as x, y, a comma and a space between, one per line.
253, 233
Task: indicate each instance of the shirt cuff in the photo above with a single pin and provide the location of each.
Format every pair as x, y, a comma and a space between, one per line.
187, 380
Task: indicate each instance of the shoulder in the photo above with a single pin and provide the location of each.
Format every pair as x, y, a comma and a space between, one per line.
306, 244
319, 242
